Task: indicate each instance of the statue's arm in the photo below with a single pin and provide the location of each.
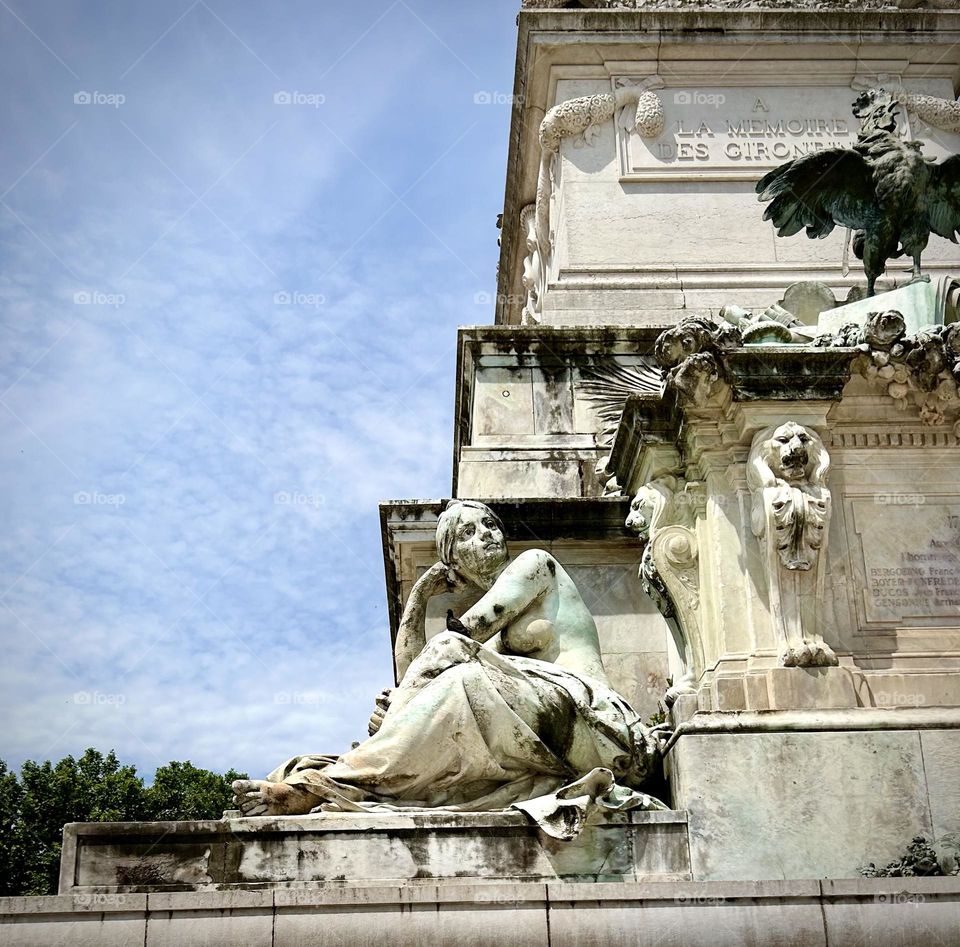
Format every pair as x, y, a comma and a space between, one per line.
412, 633
525, 581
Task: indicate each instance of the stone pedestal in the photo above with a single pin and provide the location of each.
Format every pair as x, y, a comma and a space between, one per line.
367, 848
814, 794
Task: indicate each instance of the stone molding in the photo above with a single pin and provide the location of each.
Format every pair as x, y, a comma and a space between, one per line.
719, 5
914, 911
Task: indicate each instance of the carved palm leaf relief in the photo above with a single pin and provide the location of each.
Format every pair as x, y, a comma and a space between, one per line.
608, 387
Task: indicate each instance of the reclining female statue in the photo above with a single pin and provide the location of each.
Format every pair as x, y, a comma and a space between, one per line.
514, 706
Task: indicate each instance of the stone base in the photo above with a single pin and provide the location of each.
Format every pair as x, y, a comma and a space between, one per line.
370, 848
780, 688
814, 794
908, 912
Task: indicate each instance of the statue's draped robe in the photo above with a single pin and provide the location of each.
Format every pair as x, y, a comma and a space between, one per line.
469, 729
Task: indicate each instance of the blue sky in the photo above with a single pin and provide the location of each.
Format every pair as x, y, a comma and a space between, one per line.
236, 240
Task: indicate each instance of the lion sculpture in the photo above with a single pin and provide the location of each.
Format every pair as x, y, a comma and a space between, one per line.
787, 472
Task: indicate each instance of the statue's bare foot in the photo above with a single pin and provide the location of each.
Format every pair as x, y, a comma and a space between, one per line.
258, 797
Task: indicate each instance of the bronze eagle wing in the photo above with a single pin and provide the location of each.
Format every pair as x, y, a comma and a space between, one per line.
819, 191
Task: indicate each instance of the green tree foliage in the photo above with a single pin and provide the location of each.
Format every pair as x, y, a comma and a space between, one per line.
96, 788
181, 791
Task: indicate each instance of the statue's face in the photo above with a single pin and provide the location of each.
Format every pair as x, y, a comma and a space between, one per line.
790, 449
480, 548
641, 513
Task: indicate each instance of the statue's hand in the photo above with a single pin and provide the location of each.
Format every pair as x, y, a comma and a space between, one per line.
380, 710
434, 580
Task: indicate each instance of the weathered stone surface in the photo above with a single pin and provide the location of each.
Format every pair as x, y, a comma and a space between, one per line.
941, 761
789, 805
369, 848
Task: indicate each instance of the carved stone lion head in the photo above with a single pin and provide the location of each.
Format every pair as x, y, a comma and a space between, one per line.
790, 453
642, 508
649, 504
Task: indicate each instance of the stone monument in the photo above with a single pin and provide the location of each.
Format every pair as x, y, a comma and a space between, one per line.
711, 695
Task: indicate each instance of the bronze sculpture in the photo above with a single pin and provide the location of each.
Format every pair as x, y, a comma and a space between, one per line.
884, 188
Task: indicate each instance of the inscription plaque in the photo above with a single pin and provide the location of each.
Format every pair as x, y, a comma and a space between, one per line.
911, 556
739, 133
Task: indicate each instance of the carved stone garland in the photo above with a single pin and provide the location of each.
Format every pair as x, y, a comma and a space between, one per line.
922, 370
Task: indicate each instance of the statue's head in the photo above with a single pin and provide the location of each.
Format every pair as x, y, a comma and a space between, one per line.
793, 453
690, 335
471, 541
